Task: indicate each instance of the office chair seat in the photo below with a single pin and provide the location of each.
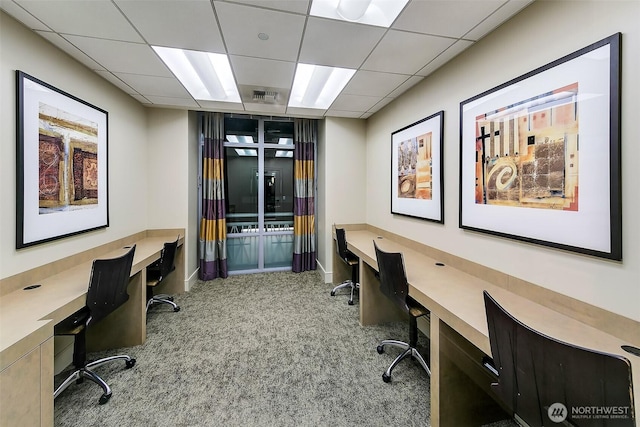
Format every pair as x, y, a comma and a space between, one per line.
394, 285
107, 291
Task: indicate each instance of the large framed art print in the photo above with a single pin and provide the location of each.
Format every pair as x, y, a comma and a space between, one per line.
416, 169
61, 182
540, 155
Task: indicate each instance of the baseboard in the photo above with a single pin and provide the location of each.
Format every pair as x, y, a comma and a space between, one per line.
326, 275
191, 280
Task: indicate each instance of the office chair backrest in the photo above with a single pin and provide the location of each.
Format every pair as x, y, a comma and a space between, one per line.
341, 238
393, 278
108, 285
167, 258
537, 371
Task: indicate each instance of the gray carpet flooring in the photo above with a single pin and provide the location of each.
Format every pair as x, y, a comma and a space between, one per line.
272, 349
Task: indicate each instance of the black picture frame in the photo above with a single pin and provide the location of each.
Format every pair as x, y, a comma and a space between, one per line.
417, 169
540, 155
61, 164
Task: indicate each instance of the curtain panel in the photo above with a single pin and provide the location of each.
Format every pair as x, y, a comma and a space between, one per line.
304, 221
212, 243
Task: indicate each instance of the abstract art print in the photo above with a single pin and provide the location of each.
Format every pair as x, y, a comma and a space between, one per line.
416, 169
61, 164
540, 155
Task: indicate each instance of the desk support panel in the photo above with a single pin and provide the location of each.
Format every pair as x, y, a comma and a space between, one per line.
126, 326
461, 398
375, 307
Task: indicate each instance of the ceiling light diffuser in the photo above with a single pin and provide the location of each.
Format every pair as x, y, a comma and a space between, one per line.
207, 76
316, 86
381, 13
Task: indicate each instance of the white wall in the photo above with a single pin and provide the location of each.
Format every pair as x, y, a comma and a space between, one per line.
21, 49
543, 32
341, 175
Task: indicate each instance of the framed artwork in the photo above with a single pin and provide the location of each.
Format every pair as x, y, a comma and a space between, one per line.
416, 169
540, 155
61, 164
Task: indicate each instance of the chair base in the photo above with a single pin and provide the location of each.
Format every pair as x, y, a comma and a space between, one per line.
347, 284
85, 372
408, 351
162, 299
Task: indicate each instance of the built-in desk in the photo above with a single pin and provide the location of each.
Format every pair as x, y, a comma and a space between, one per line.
27, 318
460, 391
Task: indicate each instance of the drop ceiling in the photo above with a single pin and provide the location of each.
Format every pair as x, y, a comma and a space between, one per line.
114, 38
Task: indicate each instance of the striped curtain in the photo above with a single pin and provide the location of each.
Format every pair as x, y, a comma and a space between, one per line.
304, 221
212, 244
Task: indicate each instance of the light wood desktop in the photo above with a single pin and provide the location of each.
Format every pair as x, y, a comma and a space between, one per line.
460, 386
27, 318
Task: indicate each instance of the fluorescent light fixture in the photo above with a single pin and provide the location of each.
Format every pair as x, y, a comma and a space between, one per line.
316, 86
240, 139
207, 76
246, 152
283, 153
380, 13
285, 141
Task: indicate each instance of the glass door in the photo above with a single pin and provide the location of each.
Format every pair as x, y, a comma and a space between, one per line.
259, 193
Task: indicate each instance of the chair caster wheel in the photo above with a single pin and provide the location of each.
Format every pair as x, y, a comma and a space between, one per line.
104, 399
380, 349
333, 293
129, 364
386, 378
350, 302
176, 309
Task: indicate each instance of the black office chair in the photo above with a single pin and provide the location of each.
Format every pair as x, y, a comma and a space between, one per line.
540, 377
351, 260
158, 271
394, 285
107, 291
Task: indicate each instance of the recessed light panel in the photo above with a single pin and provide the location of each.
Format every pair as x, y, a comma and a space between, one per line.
316, 86
380, 13
207, 76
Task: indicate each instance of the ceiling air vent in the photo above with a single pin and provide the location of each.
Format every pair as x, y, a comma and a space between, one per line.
265, 96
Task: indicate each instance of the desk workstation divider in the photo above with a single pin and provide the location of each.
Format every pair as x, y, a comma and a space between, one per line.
451, 289
27, 318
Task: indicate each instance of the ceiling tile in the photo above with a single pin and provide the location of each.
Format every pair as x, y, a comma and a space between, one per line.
507, 11
22, 15
410, 82
124, 57
163, 23
417, 51
382, 103
153, 85
265, 108
262, 72
168, 101
296, 6
141, 99
64, 45
117, 82
451, 18
347, 114
96, 18
305, 112
445, 57
337, 43
354, 102
284, 30
372, 83
221, 106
